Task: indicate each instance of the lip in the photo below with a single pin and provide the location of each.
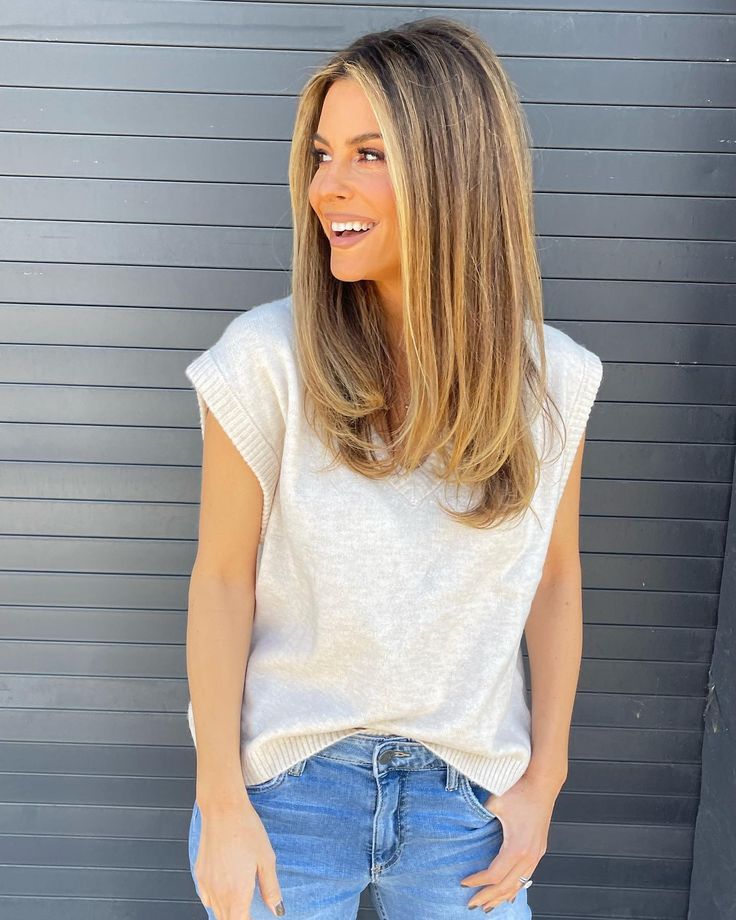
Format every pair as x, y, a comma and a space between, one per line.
346, 218
342, 242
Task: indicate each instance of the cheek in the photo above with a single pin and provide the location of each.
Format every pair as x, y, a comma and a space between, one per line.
385, 201
312, 193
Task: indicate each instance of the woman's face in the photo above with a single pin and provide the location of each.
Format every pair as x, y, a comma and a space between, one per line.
351, 182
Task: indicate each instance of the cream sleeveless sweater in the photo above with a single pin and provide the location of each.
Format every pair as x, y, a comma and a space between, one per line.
375, 610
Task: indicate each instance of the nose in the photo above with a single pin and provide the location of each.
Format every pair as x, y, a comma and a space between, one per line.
332, 180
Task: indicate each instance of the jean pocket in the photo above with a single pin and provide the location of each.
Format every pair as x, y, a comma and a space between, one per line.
277, 780
475, 795
267, 783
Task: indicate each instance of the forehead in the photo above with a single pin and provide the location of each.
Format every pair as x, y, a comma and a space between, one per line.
346, 112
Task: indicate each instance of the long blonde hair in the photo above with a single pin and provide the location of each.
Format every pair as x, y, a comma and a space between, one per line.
457, 146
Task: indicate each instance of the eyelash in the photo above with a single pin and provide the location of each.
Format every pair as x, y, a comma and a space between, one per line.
316, 154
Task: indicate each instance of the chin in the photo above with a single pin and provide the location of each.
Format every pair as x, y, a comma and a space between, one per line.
346, 275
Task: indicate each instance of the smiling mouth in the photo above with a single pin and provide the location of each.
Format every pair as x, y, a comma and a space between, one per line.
349, 234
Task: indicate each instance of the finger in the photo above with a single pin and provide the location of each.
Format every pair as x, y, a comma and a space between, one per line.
512, 881
499, 879
507, 888
268, 883
496, 871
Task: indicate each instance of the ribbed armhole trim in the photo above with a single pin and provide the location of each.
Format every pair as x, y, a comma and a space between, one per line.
582, 406
212, 390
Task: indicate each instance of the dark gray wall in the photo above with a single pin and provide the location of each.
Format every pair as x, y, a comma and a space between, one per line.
144, 203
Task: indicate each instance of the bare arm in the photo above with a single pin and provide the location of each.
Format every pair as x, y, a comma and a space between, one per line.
554, 638
220, 617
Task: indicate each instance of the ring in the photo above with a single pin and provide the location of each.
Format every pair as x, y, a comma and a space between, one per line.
526, 881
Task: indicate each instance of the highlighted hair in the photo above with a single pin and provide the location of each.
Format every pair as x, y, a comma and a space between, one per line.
458, 155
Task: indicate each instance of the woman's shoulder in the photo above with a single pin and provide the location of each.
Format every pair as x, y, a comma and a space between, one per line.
268, 324
253, 355
561, 348
570, 364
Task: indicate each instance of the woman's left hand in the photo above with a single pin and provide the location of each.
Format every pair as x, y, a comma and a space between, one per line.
525, 813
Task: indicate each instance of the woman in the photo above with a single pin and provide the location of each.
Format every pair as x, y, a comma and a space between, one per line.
381, 519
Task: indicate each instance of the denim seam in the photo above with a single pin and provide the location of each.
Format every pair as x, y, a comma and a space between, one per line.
467, 793
399, 824
366, 763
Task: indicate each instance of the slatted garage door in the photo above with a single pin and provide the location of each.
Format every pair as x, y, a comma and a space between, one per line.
144, 204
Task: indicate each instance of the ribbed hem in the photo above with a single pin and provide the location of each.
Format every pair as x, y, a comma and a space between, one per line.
496, 774
279, 754
580, 410
213, 390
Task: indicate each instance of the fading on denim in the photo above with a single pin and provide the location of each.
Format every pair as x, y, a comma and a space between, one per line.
380, 812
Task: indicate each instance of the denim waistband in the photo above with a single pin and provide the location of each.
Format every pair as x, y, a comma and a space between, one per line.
385, 751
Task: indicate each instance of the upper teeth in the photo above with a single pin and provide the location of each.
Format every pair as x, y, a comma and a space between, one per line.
351, 225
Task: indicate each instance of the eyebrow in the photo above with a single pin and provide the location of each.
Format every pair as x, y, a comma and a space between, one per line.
358, 139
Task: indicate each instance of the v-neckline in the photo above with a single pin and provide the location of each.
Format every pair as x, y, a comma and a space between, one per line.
414, 485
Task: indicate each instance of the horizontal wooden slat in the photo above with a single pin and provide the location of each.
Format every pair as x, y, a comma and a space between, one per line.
103, 482
235, 161
157, 694
86, 792
678, 344
233, 290
113, 444
42, 482
214, 205
663, 797
75, 555
120, 285
646, 536
176, 557
169, 592
318, 26
161, 592
109, 623
605, 673
101, 759
271, 117
131, 767
157, 521
655, 573
132, 853
118, 727
98, 625
130, 658
80, 883
621, 676
169, 408
100, 852
633, 382
46, 907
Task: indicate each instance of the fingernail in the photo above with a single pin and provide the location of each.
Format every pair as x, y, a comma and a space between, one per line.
280, 909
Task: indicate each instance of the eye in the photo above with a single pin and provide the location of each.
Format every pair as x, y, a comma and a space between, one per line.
372, 153
316, 154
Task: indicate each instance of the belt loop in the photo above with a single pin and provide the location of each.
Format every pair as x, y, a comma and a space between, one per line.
452, 778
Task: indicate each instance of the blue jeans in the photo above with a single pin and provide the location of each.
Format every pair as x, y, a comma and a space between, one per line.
380, 811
